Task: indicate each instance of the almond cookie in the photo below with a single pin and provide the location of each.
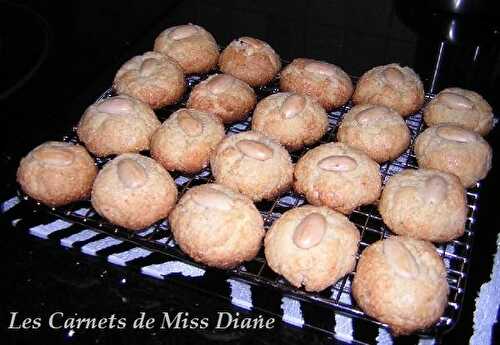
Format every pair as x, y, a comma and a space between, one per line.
378, 131
222, 94
186, 139
455, 150
424, 204
252, 164
193, 47
460, 107
117, 125
153, 78
392, 86
402, 282
292, 119
325, 82
57, 173
217, 226
251, 60
312, 247
133, 191
338, 176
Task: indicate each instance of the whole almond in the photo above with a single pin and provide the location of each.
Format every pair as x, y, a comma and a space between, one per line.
293, 105
454, 133
189, 125
183, 31
212, 198
394, 76
148, 67
255, 149
310, 231
455, 101
338, 163
252, 42
131, 173
400, 259
53, 155
435, 189
220, 83
373, 114
322, 68
115, 105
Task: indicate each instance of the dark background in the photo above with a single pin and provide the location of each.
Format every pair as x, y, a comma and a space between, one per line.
57, 57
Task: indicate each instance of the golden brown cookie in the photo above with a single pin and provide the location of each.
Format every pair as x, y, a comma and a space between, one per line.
402, 282
325, 82
186, 139
312, 247
133, 191
292, 119
57, 173
224, 95
117, 125
460, 107
217, 226
251, 60
424, 204
337, 176
193, 47
378, 131
455, 150
392, 86
153, 78
253, 164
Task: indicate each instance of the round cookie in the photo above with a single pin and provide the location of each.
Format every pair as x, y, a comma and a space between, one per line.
312, 247
253, 164
378, 131
325, 82
186, 139
133, 191
224, 95
455, 150
460, 107
117, 125
337, 176
193, 47
292, 119
402, 282
217, 226
424, 204
153, 78
392, 86
57, 173
251, 60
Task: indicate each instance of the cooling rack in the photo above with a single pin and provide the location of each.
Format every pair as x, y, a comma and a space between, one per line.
158, 238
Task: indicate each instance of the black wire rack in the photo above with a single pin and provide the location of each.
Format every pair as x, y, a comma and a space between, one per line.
456, 254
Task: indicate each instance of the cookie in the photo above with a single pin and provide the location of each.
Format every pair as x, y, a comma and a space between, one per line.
401, 282
186, 139
460, 107
292, 119
424, 204
117, 125
455, 150
325, 82
251, 60
312, 247
337, 176
392, 86
57, 173
153, 78
193, 47
133, 191
252, 164
378, 131
217, 226
222, 94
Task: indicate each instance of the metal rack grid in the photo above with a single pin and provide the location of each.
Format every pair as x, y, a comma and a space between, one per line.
158, 238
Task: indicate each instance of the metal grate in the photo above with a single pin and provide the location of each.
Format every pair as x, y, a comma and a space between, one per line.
158, 238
